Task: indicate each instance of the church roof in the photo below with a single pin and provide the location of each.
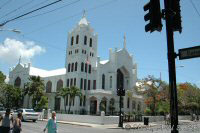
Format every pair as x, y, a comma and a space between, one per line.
44, 73
83, 21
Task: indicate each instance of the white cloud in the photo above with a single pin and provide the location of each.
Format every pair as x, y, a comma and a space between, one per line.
11, 50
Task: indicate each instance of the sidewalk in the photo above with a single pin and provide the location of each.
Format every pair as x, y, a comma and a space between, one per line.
127, 125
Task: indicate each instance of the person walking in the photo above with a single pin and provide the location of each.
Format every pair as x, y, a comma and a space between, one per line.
6, 119
17, 126
52, 124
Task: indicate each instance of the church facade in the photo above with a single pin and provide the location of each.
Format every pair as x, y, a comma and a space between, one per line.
98, 80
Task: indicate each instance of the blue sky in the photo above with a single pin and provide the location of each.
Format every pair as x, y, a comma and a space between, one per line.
44, 38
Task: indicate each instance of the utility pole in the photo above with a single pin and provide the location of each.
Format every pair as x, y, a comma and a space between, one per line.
120, 93
171, 66
172, 16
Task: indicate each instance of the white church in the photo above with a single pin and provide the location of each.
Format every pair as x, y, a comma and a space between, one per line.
97, 79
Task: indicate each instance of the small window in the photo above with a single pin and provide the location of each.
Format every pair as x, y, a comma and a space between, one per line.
81, 84
88, 84
128, 102
67, 82
90, 42
71, 82
77, 39
76, 65
86, 67
69, 67
74, 81
90, 67
94, 84
82, 67
85, 84
103, 81
72, 40
85, 40
72, 69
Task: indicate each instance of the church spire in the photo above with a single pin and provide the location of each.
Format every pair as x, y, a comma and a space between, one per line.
84, 13
19, 59
124, 40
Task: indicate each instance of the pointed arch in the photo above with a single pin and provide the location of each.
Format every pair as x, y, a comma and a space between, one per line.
90, 42
77, 39
69, 67
72, 40
59, 84
85, 40
17, 82
48, 87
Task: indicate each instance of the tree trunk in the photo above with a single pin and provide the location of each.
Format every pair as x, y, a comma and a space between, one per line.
64, 103
70, 101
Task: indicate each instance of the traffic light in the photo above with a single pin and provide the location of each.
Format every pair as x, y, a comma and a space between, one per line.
176, 19
118, 92
153, 16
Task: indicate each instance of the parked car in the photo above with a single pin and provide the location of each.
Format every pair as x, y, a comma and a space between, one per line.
27, 114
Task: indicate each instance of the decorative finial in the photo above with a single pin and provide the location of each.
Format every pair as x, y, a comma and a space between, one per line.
84, 13
20, 59
124, 40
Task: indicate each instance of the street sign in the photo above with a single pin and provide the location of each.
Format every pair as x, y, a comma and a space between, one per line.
187, 53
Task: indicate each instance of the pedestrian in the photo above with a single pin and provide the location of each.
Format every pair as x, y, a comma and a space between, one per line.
17, 126
52, 124
6, 119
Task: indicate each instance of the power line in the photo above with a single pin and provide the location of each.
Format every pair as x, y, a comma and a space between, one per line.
25, 4
72, 16
29, 13
193, 5
5, 4
68, 4
36, 5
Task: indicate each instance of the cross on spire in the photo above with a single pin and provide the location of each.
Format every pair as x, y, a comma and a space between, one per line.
20, 59
124, 40
84, 13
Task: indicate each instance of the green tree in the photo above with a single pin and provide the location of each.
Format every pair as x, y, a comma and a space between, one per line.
42, 104
63, 92
12, 97
156, 94
35, 88
73, 92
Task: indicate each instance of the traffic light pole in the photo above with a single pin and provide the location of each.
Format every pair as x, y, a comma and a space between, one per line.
171, 66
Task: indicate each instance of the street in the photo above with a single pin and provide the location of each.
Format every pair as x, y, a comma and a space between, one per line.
32, 127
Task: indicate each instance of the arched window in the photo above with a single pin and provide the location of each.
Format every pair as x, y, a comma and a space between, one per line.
59, 85
69, 67
77, 39
103, 81
72, 40
90, 67
85, 40
48, 87
139, 107
90, 42
72, 69
76, 65
74, 81
86, 67
133, 104
82, 67
17, 82
128, 102
110, 81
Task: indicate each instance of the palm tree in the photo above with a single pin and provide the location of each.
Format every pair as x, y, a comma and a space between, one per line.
73, 92
63, 92
35, 87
